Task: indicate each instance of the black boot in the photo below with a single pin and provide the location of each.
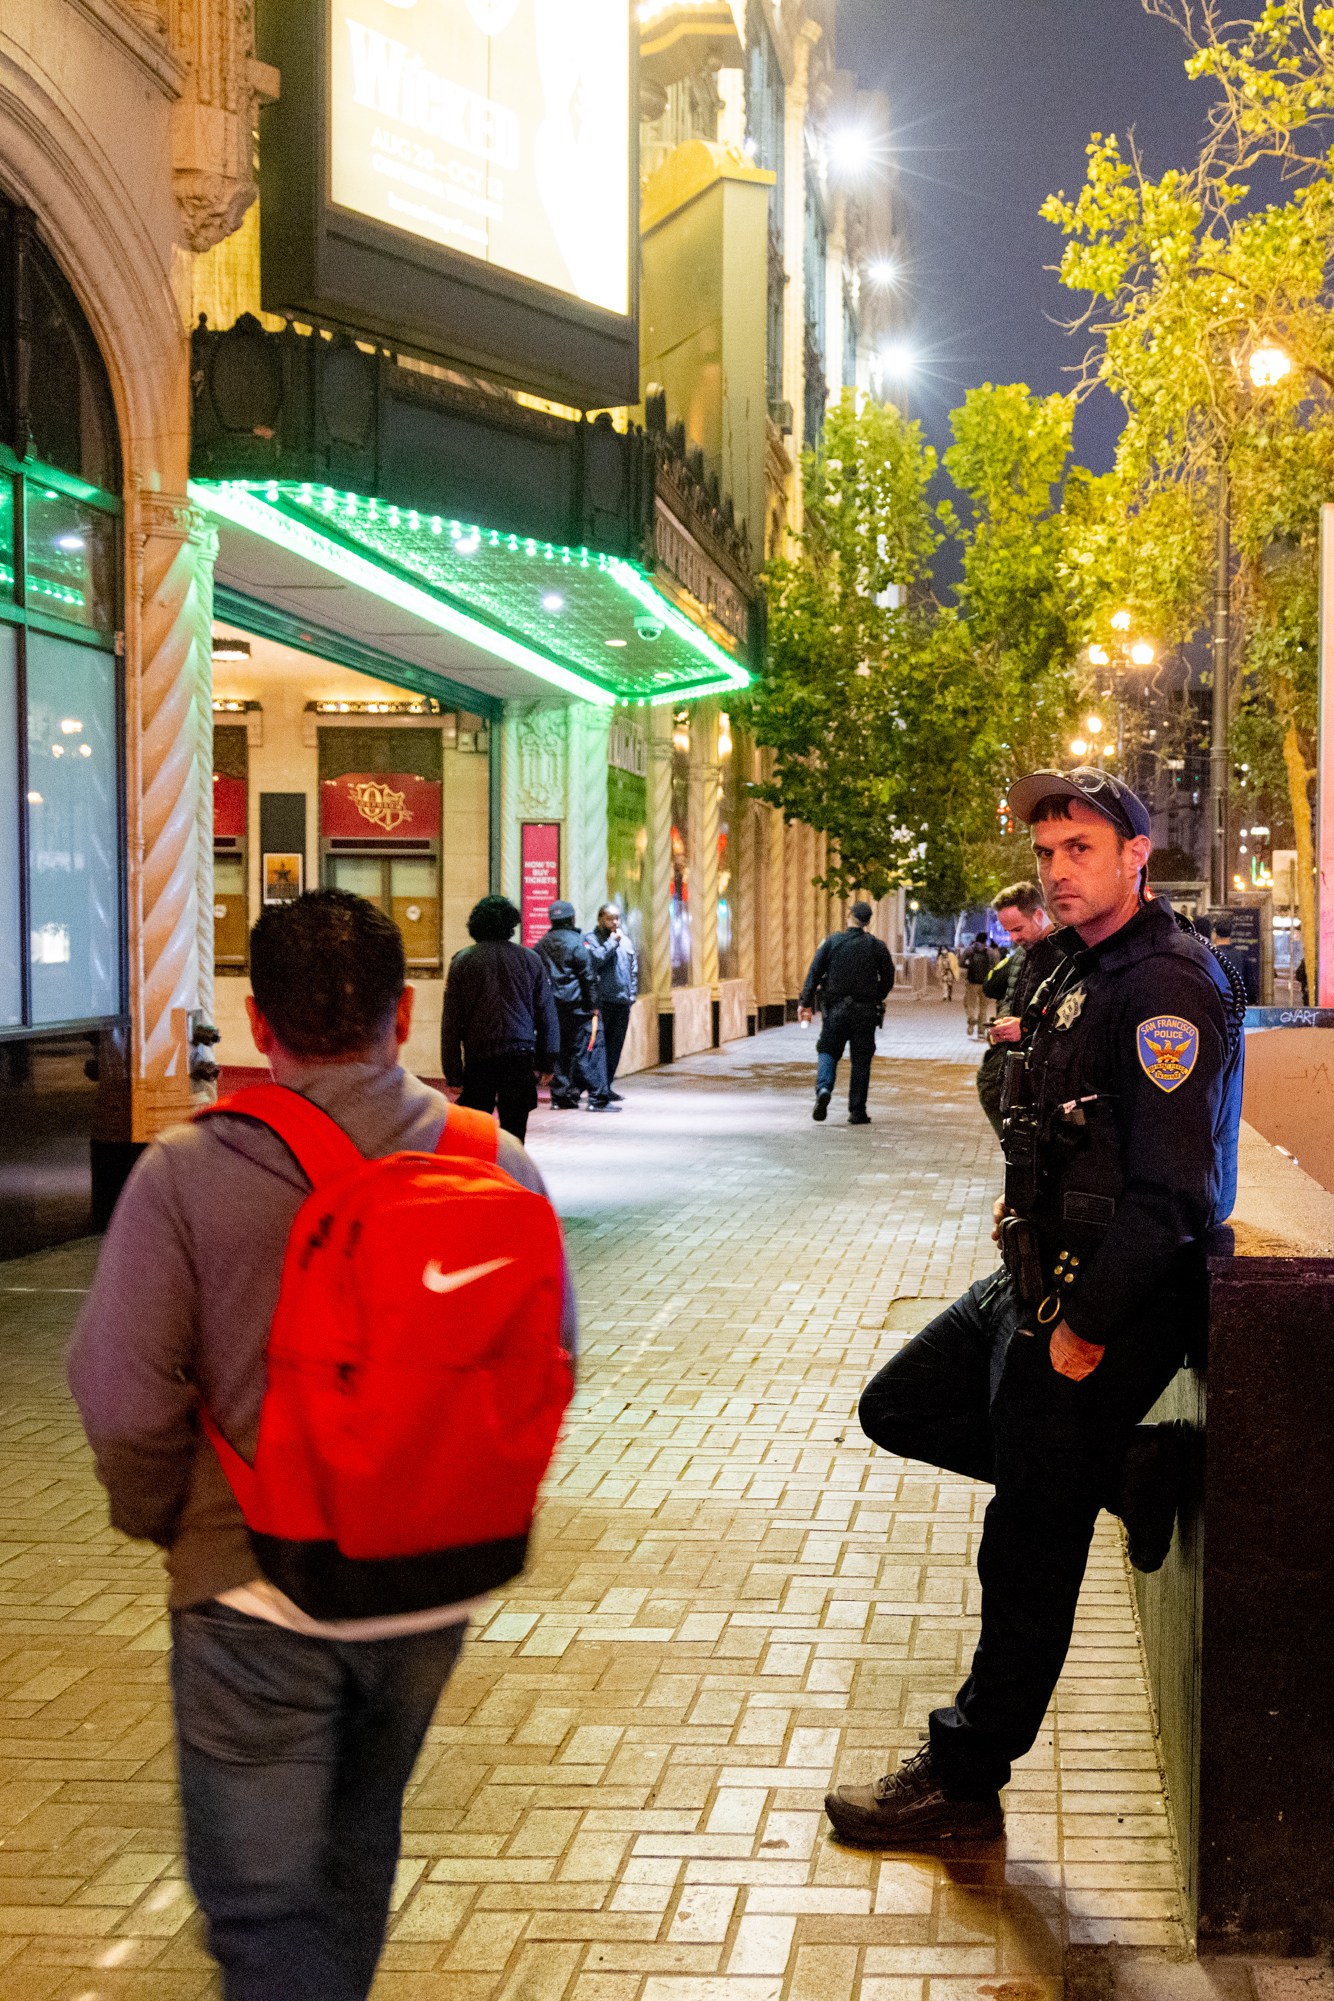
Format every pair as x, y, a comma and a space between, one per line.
1150, 1489
911, 1809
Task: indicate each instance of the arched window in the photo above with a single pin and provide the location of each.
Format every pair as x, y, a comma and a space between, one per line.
61, 849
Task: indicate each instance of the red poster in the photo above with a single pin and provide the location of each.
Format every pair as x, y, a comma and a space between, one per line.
380, 806
229, 805
540, 854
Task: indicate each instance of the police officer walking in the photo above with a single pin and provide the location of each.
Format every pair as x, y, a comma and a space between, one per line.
850, 977
1122, 1107
574, 988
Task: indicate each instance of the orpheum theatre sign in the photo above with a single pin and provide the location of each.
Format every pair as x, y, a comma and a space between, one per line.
380, 806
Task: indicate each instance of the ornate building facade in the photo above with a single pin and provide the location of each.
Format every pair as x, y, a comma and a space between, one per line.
193, 566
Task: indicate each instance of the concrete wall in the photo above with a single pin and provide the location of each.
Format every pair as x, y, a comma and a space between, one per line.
1290, 1094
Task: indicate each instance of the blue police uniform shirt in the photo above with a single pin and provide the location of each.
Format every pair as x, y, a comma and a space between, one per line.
1136, 1067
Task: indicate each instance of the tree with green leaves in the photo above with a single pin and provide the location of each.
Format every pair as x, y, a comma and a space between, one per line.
896, 720
1193, 287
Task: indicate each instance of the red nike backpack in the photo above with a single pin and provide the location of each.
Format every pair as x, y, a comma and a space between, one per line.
415, 1375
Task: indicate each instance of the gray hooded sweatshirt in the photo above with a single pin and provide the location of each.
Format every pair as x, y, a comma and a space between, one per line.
179, 1311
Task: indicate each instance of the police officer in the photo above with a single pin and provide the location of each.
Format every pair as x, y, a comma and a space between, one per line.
1123, 1103
1022, 916
580, 1067
850, 977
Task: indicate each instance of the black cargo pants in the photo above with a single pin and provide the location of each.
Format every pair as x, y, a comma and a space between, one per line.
976, 1395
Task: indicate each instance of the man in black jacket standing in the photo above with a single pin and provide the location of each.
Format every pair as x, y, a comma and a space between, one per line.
850, 977
500, 1031
574, 986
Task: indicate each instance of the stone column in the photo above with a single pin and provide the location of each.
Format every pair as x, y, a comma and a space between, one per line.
658, 856
773, 841
534, 756
794, 970
794, 244
586, 819
746, 882
168, 795
706, 783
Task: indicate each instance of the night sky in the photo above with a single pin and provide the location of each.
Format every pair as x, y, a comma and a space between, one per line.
992, 103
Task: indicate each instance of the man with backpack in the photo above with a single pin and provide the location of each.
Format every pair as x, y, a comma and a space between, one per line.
977, 965
308, 1304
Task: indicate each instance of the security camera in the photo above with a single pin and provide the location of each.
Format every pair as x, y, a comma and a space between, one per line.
648, 627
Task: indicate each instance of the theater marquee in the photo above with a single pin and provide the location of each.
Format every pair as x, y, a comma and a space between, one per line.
458, 177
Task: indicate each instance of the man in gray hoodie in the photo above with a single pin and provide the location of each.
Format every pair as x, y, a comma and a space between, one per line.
296, 1738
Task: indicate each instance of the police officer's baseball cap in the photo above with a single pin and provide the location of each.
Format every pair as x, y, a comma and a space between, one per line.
561, 913
1098, 789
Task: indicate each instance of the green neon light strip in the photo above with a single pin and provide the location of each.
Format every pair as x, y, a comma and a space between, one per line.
493, 577
234, 503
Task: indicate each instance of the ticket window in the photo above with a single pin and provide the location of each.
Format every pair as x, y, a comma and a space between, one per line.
405, 887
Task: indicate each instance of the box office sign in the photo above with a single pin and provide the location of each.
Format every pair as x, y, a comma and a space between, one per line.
540, 876
380, 806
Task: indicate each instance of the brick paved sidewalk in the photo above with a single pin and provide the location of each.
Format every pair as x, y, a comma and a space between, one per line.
734, 1600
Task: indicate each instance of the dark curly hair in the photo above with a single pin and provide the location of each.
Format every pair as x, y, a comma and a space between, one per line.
327, 971
493, 918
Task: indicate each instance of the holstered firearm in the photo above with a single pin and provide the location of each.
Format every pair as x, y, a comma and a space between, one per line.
1019, 1142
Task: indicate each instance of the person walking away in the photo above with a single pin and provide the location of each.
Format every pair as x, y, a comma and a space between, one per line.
977, 964
1241, 963
616, 969
850, 978
499, 1032
947, 971
580, 1066
1121, 1156
1022, 916
297, 1730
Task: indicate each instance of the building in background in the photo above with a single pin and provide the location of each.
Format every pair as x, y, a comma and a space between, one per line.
394, 520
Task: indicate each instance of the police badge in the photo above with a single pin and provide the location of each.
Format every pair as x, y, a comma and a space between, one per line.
1168, 1046
1070, 1009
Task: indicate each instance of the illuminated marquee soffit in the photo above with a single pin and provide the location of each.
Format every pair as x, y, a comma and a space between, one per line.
590, 624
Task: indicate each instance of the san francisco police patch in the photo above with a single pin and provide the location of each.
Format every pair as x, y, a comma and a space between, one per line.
1168, 1047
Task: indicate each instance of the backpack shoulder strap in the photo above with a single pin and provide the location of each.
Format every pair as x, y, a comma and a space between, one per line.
470, 1135
318, 1144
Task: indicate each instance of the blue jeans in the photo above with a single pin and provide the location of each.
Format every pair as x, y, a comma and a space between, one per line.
852, 1028
294, 1756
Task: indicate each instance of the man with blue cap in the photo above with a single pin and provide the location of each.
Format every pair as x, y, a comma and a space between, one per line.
1122, 1105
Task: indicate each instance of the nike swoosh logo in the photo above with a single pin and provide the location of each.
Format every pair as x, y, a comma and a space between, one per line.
436, 1279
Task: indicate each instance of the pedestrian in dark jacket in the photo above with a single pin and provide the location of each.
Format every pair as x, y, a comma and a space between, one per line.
849, 979
977, 965
500, 1031
580, 1066
616, 970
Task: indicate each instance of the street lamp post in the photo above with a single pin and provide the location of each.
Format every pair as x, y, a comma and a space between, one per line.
1218, 749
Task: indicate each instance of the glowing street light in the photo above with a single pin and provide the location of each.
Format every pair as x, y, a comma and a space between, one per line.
897, 361
1120, 621
1093, 724
1142, 653
1078, 747
1269, 366
1099, 656
852, 151
883, 273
